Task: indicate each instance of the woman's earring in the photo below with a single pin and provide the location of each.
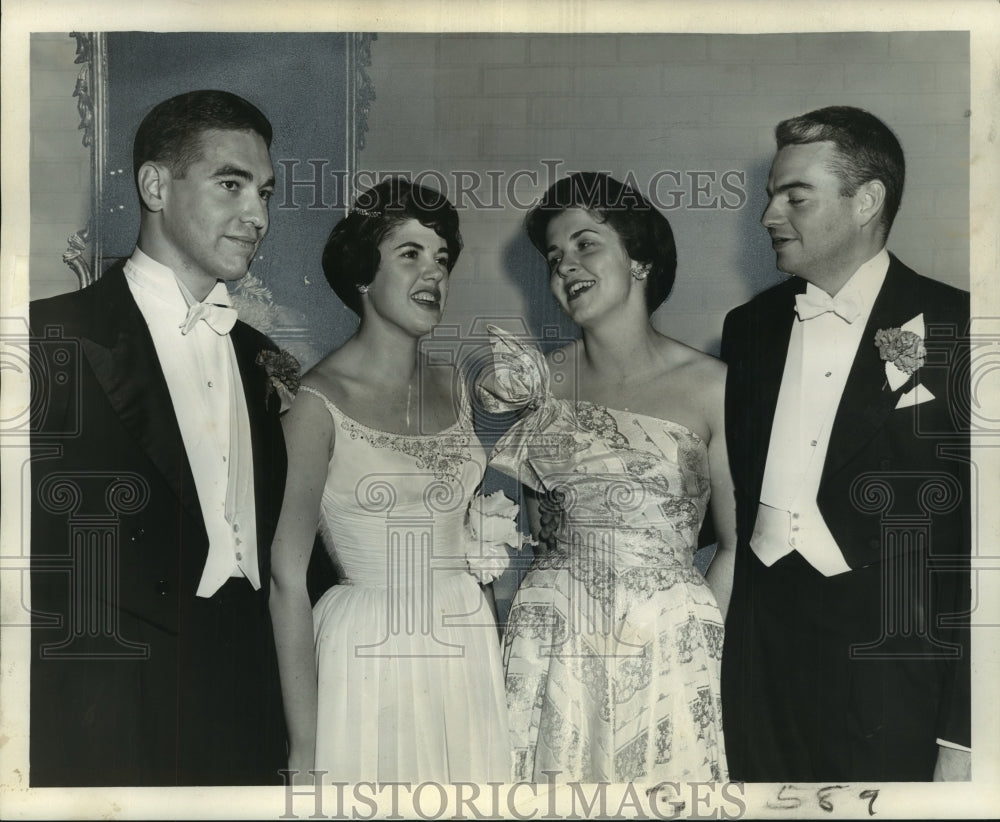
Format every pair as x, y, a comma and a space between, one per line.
640, 272
363, 289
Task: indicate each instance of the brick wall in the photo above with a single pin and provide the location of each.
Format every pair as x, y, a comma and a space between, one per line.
469, 106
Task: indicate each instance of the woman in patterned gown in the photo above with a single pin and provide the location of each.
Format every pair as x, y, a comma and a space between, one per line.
613, 643
395, 675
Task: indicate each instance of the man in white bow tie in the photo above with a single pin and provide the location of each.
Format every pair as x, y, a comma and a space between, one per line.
847, 425
158, 469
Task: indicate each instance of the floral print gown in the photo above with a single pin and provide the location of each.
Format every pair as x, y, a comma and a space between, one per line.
410, 682
613, 644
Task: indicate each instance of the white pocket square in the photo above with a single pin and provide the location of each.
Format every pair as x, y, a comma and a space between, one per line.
915, 396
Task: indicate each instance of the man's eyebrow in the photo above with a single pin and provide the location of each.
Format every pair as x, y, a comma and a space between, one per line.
243, 174
786, 186
233, 171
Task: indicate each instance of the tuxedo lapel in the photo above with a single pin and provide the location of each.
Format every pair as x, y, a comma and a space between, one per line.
253, 375
121, 354
868, 400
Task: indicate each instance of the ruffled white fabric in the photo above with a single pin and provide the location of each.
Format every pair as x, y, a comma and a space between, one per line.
492, 533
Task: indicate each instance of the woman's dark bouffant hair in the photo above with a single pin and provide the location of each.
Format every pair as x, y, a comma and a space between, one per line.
351, 256
644, 231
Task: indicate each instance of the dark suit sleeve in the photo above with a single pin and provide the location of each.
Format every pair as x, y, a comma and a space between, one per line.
954, 718
707, 535
953, 589
50, 385
729, 334
740, 436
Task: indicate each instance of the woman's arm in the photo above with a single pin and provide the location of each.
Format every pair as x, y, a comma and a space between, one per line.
723, 504
309, 436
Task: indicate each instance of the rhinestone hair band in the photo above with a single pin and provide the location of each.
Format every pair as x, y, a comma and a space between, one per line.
366, 212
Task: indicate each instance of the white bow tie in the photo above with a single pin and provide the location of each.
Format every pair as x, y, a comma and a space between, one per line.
815, 302
220, 318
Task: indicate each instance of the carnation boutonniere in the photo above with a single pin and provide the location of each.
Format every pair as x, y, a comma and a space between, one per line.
282, 375
902, 350
490, 529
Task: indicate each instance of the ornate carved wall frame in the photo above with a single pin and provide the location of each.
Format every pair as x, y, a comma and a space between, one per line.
91, 103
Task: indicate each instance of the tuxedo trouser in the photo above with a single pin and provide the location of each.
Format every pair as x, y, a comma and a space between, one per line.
203, 707
813, 689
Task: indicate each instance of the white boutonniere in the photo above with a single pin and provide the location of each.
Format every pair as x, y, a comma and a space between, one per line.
491, 528
902, 349
283, 377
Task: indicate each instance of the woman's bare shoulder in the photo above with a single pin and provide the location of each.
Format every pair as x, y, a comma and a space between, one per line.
331, 376
689, 361
702, 378
710, 369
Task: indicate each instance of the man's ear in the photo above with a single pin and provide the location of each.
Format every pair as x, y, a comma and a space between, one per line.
152, 180
870, 199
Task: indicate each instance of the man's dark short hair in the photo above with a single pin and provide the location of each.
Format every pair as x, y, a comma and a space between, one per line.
644, 231
351, 256
866, 150
171, 132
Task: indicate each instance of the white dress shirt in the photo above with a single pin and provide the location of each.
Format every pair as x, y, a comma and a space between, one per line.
206, 391
821, 351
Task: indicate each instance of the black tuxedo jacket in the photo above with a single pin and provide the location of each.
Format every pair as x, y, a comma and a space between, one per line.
895, 495
134, 679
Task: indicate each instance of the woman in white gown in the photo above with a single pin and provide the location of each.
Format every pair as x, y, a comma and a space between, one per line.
395, 675
614, 639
